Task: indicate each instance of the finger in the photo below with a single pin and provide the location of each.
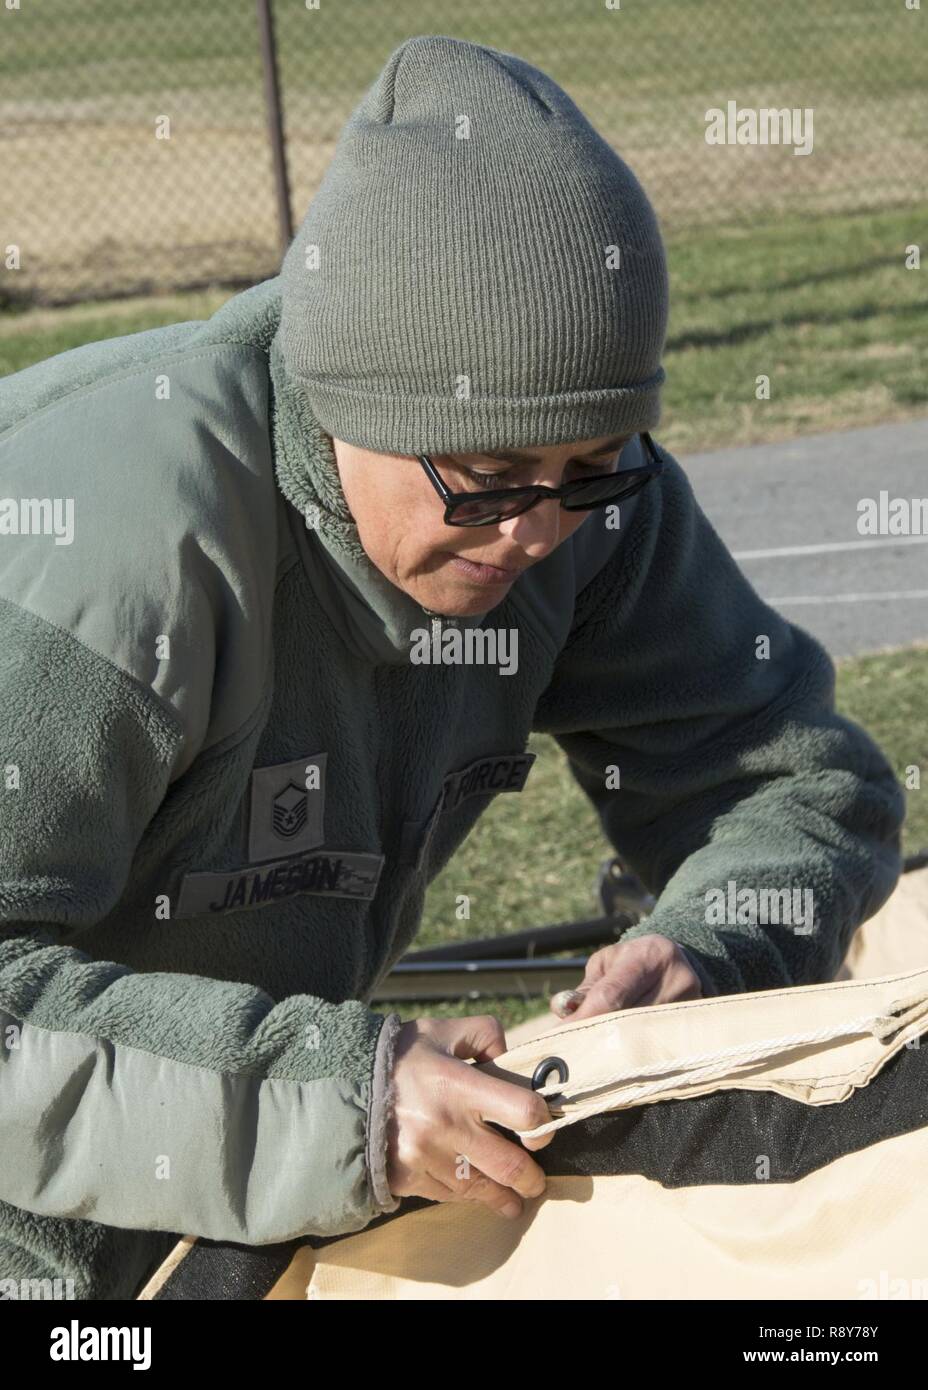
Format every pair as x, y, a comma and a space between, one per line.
504, 1162
675, 985
481, 1037
427, 1185
540, 1141
618, 991
599, 966
478, 1187
564, 1003
532, 1143
636, 979
511, 1104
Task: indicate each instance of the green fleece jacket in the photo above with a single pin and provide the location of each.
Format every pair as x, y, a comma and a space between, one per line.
227, 785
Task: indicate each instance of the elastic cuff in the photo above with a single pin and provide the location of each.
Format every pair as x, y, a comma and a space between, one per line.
381, 1112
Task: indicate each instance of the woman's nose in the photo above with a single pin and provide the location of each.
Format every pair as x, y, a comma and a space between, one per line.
538, 530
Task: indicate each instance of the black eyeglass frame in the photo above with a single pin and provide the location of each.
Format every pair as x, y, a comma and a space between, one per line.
537, 492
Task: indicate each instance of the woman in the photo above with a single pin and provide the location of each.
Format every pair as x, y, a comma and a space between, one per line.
293, 650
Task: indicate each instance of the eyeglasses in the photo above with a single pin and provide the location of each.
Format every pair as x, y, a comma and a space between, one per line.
580, 495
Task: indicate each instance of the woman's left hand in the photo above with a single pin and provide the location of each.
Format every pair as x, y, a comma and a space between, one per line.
649, 970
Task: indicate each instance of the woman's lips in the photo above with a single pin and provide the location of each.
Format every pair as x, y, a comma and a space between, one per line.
484, 574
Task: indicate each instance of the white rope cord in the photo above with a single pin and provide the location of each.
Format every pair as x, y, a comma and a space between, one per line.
701, 1066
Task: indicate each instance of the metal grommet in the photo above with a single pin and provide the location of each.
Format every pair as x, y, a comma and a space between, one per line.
544, 1070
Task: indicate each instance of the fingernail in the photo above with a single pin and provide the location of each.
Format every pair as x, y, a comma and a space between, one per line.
511, 1209
565, 1002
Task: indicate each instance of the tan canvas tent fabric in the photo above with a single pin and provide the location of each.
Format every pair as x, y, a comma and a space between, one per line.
838, 1231
769, 1145
896, 937
847, 1231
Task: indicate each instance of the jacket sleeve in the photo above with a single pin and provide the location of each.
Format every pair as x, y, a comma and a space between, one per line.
151, 1101
702, 726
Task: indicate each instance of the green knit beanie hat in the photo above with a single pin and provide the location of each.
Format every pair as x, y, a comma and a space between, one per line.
478, 269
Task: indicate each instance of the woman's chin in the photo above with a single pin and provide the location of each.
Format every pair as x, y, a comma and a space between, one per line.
460, 601
448, 590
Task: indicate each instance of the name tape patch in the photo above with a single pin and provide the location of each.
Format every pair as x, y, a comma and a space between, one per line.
332, 874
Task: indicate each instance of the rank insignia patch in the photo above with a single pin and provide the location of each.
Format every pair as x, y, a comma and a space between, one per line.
287, 808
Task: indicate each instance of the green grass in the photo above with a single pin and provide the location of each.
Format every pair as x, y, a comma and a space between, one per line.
32, 335
104, 48
835, 44
887, 693
825, 308
535, 861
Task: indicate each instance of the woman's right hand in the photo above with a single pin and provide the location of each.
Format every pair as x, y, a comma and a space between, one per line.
438, 1142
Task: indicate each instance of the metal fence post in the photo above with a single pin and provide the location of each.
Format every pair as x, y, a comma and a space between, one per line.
275, 127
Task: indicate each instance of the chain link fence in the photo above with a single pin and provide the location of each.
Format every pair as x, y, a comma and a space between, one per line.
137, 153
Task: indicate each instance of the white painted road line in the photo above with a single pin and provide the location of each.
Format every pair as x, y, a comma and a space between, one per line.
790, 513
849, 598
826, 548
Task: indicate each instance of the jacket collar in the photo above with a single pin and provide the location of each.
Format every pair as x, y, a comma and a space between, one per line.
376, 618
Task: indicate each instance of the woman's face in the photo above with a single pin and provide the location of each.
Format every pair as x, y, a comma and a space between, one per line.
400, 517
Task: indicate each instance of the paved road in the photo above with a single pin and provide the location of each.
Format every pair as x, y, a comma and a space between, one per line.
789, 514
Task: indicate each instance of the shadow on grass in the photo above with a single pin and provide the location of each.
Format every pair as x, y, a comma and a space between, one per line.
731, 335
818, 277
